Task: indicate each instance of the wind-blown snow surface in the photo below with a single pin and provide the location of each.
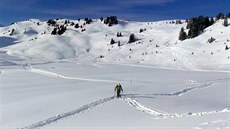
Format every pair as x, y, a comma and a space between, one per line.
49, 81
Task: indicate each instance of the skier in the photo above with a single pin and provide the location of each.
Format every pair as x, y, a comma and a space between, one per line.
118, 89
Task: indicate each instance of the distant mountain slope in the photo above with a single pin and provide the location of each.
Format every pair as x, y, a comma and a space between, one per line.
157, 43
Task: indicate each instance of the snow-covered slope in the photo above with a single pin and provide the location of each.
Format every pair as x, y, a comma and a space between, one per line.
67, 81
158, 45
69, 95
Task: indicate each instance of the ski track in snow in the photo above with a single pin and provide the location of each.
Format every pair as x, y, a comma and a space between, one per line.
178, 93
28, 67
67, 114
133, 103
159, 114
126, 97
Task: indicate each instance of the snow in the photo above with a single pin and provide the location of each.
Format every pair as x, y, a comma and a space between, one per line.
52, 81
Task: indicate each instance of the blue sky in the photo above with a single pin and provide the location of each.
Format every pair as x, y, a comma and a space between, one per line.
136, 10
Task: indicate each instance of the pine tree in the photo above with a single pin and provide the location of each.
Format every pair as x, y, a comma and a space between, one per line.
142, 30
12, 32
61, 30
132, 38
220, 16
189, 24
197, 25
119, 34
119, 44
228, 15
211, 21
226, 47
193, 32
51, 22
101, 18
178, 22
88, 21
54, 32
76, 25
225, 22
210, 40
72, 23
182, 35
112, 42
111, 21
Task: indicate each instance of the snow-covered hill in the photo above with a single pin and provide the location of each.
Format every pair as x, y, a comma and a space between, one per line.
158, 44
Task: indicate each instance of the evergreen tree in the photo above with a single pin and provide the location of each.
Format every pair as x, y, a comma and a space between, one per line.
132, 38
228, 15
112, 42
88, 21
193, 32
210, 40
12, 32
220, 16
106, 21
119, 34
76, 25
206, 22
182, 35
119, 44
111, 21
83, 29
211, 21
51, 22
67, 22
197, 25
142, 30
225, 22
61, 30
72, 24
189, 24
178, 22
226, 47
54, 32
101, 18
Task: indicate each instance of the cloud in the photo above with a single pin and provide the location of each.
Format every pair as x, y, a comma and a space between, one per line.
150, 1
145, 2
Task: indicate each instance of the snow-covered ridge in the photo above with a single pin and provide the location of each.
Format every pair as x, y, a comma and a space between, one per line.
158, 44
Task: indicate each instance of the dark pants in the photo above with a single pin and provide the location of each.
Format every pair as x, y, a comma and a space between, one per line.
118, 94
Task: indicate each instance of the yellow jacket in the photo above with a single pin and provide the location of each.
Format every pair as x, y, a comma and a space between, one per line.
118, 88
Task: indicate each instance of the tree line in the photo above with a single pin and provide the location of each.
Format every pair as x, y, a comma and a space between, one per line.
196, 25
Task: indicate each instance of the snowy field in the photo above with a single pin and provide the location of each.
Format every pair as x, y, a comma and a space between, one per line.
70, 95
67, 81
